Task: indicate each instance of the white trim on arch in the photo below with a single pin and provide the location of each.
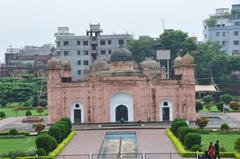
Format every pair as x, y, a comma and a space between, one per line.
121, 98
169, 105
73, 107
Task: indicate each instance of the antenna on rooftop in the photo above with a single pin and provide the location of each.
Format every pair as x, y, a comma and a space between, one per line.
163, 24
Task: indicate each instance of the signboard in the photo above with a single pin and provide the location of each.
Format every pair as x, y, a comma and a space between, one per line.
163, 55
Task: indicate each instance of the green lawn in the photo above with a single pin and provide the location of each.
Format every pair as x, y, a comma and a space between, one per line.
17, 144
213, 109
225, 140
10, 113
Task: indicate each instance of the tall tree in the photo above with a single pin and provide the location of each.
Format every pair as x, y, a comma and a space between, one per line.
141, 49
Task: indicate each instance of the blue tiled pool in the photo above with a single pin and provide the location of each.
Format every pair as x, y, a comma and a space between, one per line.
119, 143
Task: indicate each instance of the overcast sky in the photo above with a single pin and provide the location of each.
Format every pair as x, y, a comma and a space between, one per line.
33, 22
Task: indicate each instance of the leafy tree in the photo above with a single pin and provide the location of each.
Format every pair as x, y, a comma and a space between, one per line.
202, 122
199, 106
226, 98
43, 102
178, 42
40, 110
28, 113
141, 49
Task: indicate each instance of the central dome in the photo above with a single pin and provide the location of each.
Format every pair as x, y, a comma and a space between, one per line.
121, 54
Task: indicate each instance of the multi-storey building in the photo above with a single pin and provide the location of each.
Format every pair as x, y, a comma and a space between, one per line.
224, 28
30, 59
82, 50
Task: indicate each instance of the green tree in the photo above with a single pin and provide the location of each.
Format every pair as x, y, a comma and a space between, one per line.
141, 49
178, 42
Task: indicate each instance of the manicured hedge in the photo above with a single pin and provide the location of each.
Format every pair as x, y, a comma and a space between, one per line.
177, 125
61, 146
183, 132
192, 139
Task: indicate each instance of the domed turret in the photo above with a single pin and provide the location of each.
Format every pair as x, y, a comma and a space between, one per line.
66, 63
53, 62
187, 59
150, 64
121, 54
178, 61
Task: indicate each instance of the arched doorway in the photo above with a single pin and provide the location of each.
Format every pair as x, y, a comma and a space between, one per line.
121, 113
121, 105
166, 112
77, 113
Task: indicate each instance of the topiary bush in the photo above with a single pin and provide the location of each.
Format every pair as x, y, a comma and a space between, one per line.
55, 132
28, 113
192, 139
180, 129
220, 106
40, 110
46, 142
184, 131
62, 128
196, 148
65, 126
202, 122
41, 152
199, 106
2, 115
178, 124
175, 120
226, 98
68, 121
224, 126
12, 132
234, 105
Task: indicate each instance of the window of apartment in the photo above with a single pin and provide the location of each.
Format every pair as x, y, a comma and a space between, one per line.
58, 43
205, 36
217, 33
78, 42
79, 72
85, 62
78, 52
236, 23
66, 53
103, 52
120, 42
102, 42
79, 62
85, 43
65, 43
85, 52
109, 51
109, 42
236, 42
223, 43
235, 33
223, 33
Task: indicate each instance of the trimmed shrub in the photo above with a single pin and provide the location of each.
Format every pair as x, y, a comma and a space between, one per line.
220, 106
43, 102
202, 122
28, 103
226, 98
55, 132
12, 132
224, 126
178, 124
68, 122
180, 129
192, 139
17, 154
47, 142
2, 115
234, 105
67, 130
40, 110
196, 148
28, 113
184, 131
199, 106
62, 128
41, 152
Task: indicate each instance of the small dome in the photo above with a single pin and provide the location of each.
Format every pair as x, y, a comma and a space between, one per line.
66, 63
150, 63
121, 54
98, 65
53, 62
187, 59
178, 61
